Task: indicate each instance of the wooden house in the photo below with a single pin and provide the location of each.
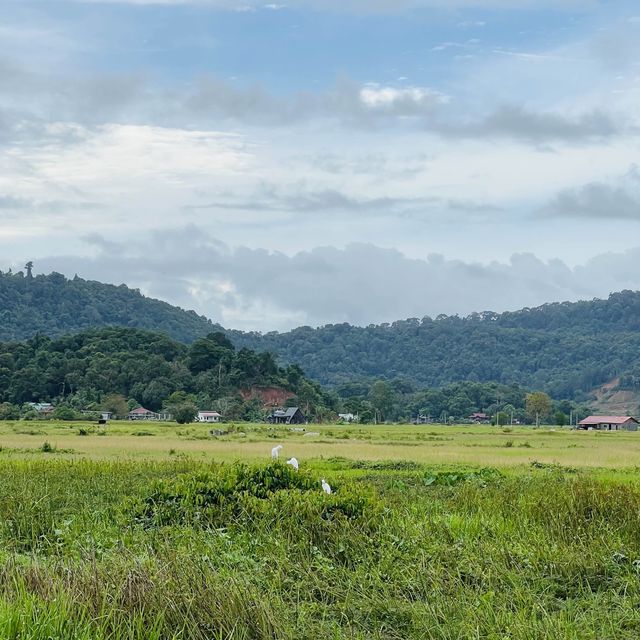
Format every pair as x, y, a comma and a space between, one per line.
292, 415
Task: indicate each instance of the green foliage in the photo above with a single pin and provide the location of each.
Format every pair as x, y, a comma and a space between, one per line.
538, 405
116, 404
381, 398
453, 478
62, 412
54, 306
9, 411
564, 349
226, 494
99, 369
537, 554
185, 412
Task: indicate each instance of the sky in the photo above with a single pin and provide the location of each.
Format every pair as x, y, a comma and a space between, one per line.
272, 165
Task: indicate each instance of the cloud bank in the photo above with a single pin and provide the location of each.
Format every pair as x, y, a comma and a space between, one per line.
361, 283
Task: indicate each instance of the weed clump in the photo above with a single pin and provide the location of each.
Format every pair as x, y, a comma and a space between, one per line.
240, 492
453, 478
376, 465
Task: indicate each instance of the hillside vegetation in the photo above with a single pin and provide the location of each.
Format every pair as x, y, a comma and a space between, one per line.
55, 306
566, 349
117, 369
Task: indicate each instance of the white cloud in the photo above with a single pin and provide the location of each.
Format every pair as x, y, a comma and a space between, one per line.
374, 96
255, 289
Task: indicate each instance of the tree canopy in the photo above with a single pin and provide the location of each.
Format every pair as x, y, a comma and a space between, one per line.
564, 349
114, 369
54, 305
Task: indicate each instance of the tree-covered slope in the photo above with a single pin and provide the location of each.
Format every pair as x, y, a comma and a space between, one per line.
146, 368
565, 349
54, 306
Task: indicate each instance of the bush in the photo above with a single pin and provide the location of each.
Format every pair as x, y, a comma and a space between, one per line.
240, 491
184, 413
9, 411
452, 478
63, 413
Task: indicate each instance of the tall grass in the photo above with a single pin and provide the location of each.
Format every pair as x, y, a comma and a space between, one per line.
192, 551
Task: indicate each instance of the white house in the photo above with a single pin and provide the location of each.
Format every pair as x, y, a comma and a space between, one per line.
208, 416
143, 414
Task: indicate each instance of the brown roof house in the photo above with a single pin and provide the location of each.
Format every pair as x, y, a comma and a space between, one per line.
609, 423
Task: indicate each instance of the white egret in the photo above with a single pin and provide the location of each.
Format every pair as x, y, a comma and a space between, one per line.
293, 462
325, 486
275, 452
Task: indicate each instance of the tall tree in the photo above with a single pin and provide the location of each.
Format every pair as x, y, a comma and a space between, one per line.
538, 405
381, 397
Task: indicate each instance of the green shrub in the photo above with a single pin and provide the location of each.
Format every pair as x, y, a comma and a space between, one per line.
453, 478
240, 491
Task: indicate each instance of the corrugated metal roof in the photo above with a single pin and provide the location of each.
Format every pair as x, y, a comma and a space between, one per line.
606, 419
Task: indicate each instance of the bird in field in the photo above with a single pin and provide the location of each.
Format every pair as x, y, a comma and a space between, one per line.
275, 452
325, 486
293, 462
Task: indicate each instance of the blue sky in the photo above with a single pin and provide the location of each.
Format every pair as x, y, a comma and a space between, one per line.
381, 159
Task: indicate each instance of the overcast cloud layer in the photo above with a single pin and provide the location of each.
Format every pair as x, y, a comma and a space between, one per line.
276, 164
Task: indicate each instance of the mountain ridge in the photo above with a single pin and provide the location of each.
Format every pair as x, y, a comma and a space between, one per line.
565, 348
56, 306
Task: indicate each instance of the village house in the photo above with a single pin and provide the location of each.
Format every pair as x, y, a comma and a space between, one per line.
143, 414
43, 409
609, 423
480, 418
348, 417
208, 416
292, 415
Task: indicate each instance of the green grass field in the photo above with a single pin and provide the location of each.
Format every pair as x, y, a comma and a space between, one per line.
429, 444
158, 531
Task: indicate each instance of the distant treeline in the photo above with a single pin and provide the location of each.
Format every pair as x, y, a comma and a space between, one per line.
117, 369
565, 349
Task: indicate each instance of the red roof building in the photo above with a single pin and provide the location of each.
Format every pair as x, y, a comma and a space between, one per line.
609, 423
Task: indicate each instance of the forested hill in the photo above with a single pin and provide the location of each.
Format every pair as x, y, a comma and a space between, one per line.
117, 369
53, 305
567, 349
